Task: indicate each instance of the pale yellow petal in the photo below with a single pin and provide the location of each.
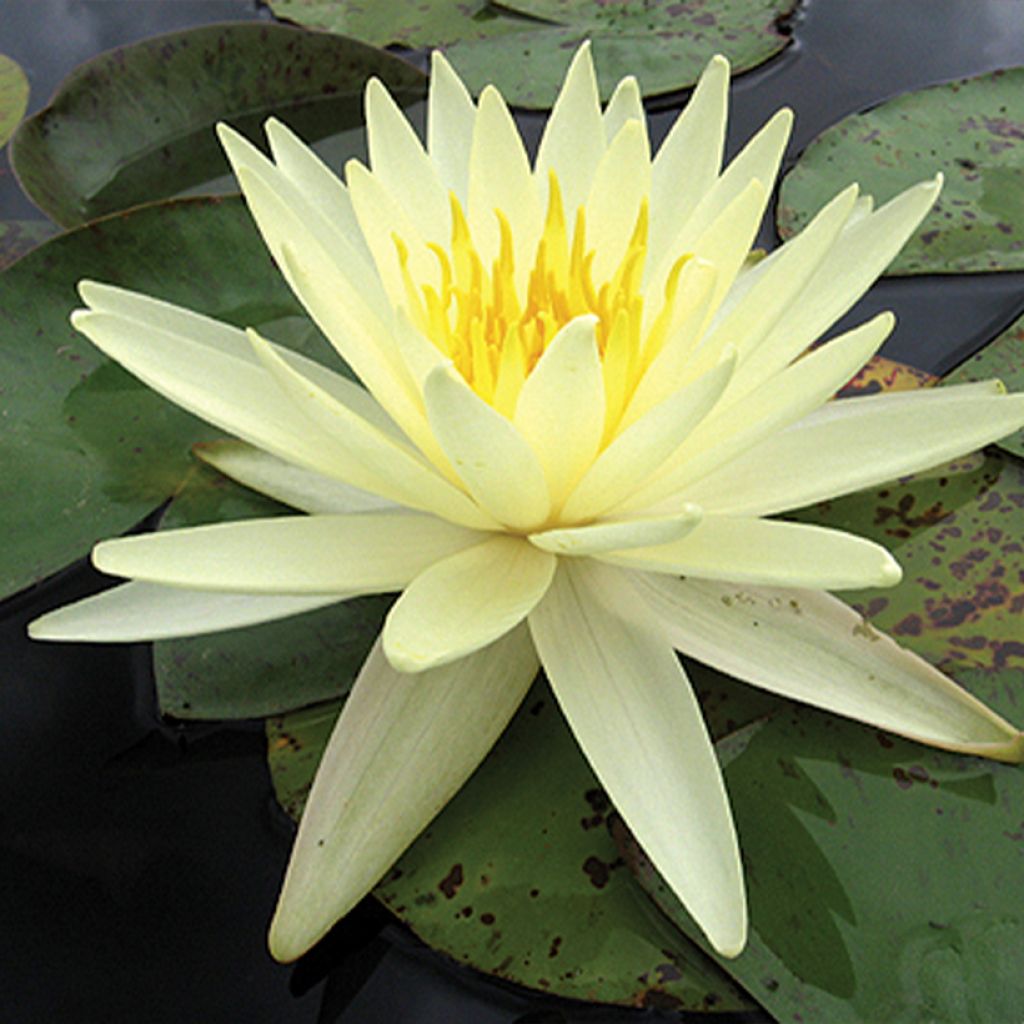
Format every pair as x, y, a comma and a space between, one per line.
362, 553
397, 755
747, 550
574, 137
809, 646
561, 410
138, 612
617, 535
451, 115
635, 717
625, 105
491, 457
465, 601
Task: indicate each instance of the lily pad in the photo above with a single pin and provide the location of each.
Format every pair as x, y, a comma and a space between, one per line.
883, 876
524, 46
13, 96
136, 124
261, 670
409, 23
18, 237
521, 879
972, 130
957, 532
88, 450
1002, 358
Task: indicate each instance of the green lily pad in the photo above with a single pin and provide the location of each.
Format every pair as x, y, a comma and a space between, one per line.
521, 878
136, 124
957, 533
524, 46
18, 237
409, 23
88, 450
13, 96
261, 670
1002, 358
883, 876
972, 130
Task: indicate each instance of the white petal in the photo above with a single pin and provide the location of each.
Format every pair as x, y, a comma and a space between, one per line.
402, 748
617, 535
636, 719
492, 458
687, 164
855, 443
765, 551
362, 553
561, 409
374, 461
859, 255
450, 119
402, 166
465, 601
642, 448
809, 646
135, 612
793, 394
292, 485
573, 141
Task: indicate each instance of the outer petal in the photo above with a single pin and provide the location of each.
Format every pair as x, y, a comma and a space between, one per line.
450, 119
858, 442
362, 553
860, 254
402, 748
374, 462
402, 166
625, 105
561, 410
292, 485
687, 164
135, 612
574, 137
635, 716
764, 551
464, 602
793, 394
810, 646
493, 459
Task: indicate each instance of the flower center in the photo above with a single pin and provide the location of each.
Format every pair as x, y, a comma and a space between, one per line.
494, 336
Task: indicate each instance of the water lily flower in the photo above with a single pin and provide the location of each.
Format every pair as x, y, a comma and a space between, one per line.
584, 402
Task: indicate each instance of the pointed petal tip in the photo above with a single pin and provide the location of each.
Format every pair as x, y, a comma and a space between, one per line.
891, 572
730, 947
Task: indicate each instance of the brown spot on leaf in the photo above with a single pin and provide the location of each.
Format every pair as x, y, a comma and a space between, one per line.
449, 885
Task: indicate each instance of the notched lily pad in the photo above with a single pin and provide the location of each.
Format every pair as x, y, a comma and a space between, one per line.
972, 130
88, 450
883, 876
521, 878
13, 96
261, 670
1002, 358
137, 123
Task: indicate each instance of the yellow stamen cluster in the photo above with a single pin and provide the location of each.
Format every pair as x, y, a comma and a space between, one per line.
494, 338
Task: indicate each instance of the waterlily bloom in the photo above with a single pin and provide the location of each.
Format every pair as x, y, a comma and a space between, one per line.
583, 402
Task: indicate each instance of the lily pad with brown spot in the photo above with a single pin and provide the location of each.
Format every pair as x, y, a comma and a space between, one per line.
883, 876
1002, 358
972, 130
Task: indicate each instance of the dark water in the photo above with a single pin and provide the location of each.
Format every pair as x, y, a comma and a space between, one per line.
139, 858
